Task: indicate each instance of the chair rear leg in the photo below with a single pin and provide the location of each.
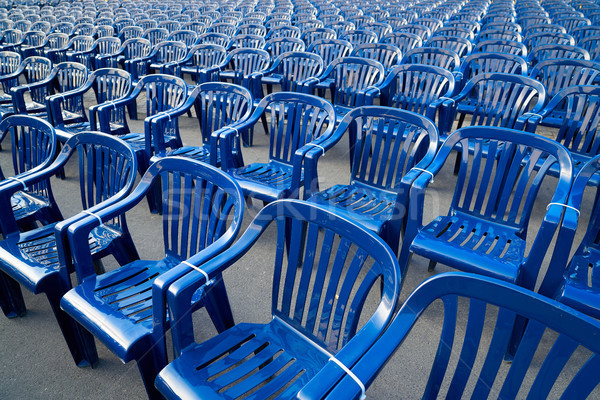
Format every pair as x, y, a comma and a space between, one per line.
80, 342
217, 305
11, 297
124, 250
431, 266
149, 368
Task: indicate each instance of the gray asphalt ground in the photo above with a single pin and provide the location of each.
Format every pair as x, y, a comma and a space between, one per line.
35, 363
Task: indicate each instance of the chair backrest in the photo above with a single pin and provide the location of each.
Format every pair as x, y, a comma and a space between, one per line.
107, 45
548, 51
169, 51
537, 39
251, 29
156, 35
296, 119
420, 30
81, 43
461, 46
246, 41
403, 40
280, 45
214, 38
42, 26
295, 67
437, 57
387, 54
64, 27
352, 76
224, 28
330, 49
501, 46
309, 36
105, 31
495, 34
455, 31
497, 99
130, 32
558, 74
246, 61
414, 87
491, 308
136, 48
379, 135
9, 62
33, 144
538, 28
480, 63
195, 26
582, 32
360, 36
284, 31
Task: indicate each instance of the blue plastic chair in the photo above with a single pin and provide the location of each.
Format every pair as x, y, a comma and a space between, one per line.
547, 51
32, 69
218, 105
246, 41
251, 29
570, 23
387, 54
472, 26
10, 39
76, 44
283, 31
39, 259
481, 63
432, 23
420, 30
330, 49
67, 112
290, 70
443, 58
302, 337
461, 46
498, 34
574, 281
403, 40
164, 95
558, 74
537, 39
575, 111
493, 307
359, 36
376, 197
9, 62
501, 46
485, 230
309, 36
126, 308
198, 59
213, 38
155, 35
108, 46
33, 147
64, 77
132, 32
493, 99
417, 88
160, 59
131, 49
592, 45
278, 46
455, 31
583, 32
353, 82
298, 123
33, 44
238, 66
546, 27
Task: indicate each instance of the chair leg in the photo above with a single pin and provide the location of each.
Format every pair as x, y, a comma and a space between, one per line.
124, 250
431, 266
149, 367
80, 342
217, 305
11, 297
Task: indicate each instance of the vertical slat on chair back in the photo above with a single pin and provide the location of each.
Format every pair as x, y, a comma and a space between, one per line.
208, 55
293, 124
481, 63
219, 105
298, 67
196, 212
9, 62
107, 45
136, 48
350, 77
331, 49
37, 69
32, 144
556, 75
170, 51
321, 283
164, 94
403, 40
245, 62
111, 85
70, 77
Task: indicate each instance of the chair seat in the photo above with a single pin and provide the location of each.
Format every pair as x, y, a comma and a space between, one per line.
6, 110
372, 208
581, 292
244, 356
5, 98
64, 132
472, 244
117, 306
265, 181
200, 153
26, 204
34, 258
135, 140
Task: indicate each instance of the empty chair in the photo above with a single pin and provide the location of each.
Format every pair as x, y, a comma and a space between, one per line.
284, 31
237, 66
39, 259
480, 63
437, 57
297, 122
380, 28
131, 49
224, 28
472, 26
195, 26
492, 308
309, 36
540, 28
156, 35
353, 82
84, 29
330, 49
32, 69
592, 45
130, 32
456, 32
496, 34
403, 40
548, 51
418, 88
360, 36
9, 62
575, 112
213, 38
280, 45
537, 39
572, 22
64, 27
67, 111
583, 32
461, 46
493, 99
561, 73
159, 60
432, 23
387, 54
170, 26
377, 197
198, 59
108, 46
420, 30
33, 44
189, 38
217, 105
118, 307
501, 46
506, 26
10, 39
251, 29
246, 41
62, 78
301, 335
486, 228
290, 70
105, 31
341, 27
76, 44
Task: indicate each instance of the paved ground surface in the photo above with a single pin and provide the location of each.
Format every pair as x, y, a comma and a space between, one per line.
35, 363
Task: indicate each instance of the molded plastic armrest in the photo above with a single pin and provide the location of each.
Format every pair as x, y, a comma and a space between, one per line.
308, 85
55, 101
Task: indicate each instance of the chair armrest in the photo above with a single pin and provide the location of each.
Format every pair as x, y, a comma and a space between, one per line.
155, 125
14, 75
309, 84
529, 121
56, 101
310, 154
105, 108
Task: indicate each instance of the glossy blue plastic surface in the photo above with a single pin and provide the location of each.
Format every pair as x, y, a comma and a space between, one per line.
437, 57
238, 66
481, 373
488, 62
67, 111
377, 197
558, 74
387, 54
159, 60
130, 49
330, 49
320, 284
198, 59
403, 40
39, 260
547, 51
298, 122
459, 45
32, 69
501, 46
126, 308
486, 236
279, 45
105, 46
